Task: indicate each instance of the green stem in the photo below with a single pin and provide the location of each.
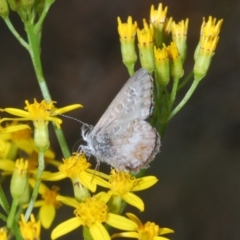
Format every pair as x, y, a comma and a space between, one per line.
185, 99
15, 33
185, 81
174, 91
39, 24
41, 166
3, 200
11, 216
34, 51
62, 141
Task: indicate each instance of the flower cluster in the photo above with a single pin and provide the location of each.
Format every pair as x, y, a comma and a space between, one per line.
92, 210
98, 199
162, 46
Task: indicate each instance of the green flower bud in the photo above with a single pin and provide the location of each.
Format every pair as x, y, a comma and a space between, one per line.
4, 10
176, 62
179, 35
127, 32
145, 45
162, 65
19, 179
14, 4
41, 135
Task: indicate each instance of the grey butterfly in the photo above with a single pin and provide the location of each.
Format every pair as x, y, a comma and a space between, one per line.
122, 137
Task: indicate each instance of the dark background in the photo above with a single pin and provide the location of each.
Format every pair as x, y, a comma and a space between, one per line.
199, 165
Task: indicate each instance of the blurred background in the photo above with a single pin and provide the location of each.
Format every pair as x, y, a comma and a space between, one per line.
198, 193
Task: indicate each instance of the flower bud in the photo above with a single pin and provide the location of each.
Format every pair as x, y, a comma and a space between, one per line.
4, 10
127, 32
19, 179
14, 4
145, 45
176, 62
179, 35
41, 135
162, 65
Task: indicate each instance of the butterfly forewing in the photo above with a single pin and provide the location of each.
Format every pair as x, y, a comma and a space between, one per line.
134, 101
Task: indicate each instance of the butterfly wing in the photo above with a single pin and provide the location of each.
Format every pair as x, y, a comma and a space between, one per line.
134, 101
122, 138
132, 147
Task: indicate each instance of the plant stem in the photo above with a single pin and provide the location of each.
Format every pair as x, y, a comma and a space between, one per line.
174, 91
34, 51
185, 81
41, 166
11, 216
185, 99
15, 33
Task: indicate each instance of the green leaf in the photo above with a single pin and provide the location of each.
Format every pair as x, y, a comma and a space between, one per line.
3, 200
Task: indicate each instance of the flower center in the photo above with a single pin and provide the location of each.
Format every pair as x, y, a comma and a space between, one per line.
73, 165
39, 111
149, 231
49, 196
91, 211
121, 182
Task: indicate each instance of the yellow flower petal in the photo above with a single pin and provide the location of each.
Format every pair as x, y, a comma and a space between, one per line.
15, 128
145, 182
135, 219
134, 200
48, 176
47, 214
17, 112
87, 180
67, 201
160, 238
165, 231
66, 109
7, 165
121, 222
126, 234
103, 196
38, 203
98, 231
66, 227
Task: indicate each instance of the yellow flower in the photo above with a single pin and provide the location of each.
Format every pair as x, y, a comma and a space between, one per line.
176, 66
8, 165
39, 112
3, 233
162, 65
179, 36
206, 46
211, 28
161, 24
77, 169
147, 231
123, 184
127, 32
92, 214
158, 17
145, 45
145, 36
48, 205
22, 138
30, 230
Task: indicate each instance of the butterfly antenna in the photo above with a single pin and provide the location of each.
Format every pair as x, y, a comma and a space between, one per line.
75, 119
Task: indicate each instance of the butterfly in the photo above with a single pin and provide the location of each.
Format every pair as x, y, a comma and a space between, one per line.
122, 137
